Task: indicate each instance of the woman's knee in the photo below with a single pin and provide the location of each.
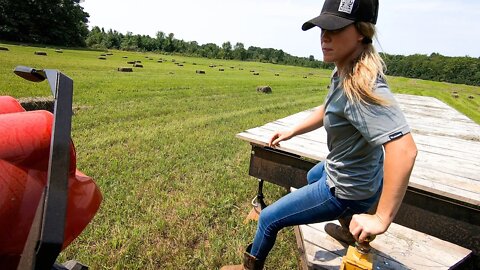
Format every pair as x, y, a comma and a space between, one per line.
268, 220
265, 216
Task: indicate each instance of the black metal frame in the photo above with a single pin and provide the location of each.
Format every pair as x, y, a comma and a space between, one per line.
46, 235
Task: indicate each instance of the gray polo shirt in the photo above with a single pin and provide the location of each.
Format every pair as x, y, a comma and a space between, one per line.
355, 135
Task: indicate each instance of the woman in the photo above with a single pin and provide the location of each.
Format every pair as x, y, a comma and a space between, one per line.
371, 149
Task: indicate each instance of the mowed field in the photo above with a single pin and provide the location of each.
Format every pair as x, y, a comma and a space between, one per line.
160, 143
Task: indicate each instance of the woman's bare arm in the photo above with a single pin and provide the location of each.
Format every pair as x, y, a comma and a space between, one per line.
400, 157
314, 121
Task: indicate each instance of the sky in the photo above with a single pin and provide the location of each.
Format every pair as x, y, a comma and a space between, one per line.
404, 27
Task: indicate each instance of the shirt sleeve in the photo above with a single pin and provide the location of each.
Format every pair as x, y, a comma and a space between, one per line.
378, 124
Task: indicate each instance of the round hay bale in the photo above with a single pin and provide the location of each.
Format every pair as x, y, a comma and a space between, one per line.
212, 66
40, 53
221, 69
240, 68
124, 56
138, 65
131, 62
159, 61
109, 53
4, 49
264, 89
102, 58
125, 69
471, 97
180, 65
256, 73
305, 77
252, 70
59, 51
138, 61
146, 57
232, 67
103, 54
200, 71
276, 74
455, 95
194, 64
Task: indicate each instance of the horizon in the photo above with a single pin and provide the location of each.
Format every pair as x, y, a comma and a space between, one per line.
250, 23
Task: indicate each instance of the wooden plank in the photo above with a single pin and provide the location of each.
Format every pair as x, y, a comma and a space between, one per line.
398, 248
448, 144
298, 146
461, 163
301, 248
410, 247
319, 258
448, 165
451, 192
428, 143
326, 253
453, 147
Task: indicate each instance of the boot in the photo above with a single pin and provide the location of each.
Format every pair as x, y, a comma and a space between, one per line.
249, 262
341, 233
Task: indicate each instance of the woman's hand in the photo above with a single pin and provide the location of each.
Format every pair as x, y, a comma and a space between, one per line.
280, 136
364, 225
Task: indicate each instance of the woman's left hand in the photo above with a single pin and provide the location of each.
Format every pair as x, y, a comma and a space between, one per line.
365, 225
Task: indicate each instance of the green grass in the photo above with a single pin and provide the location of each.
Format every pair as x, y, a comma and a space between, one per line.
160, 143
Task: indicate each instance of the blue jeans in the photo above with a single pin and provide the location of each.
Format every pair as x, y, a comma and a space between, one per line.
312, 203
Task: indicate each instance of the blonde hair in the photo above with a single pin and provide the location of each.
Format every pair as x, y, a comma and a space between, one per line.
359, 78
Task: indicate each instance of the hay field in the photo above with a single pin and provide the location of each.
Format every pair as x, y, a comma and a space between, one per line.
160, 143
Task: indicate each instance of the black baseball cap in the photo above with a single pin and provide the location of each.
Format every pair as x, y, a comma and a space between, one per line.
337, 14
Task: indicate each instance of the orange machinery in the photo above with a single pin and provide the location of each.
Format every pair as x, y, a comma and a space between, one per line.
45, 202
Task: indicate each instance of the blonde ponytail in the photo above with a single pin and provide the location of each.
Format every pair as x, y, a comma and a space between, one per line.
361, 75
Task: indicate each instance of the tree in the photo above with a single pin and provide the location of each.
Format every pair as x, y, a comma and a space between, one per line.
160, 40
227, 50
129, 43
239, 51
170, 43
56, 22
192, 47
209, 50
95, 38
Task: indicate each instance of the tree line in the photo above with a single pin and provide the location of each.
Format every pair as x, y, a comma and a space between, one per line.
435, 67
98, 38
64, 23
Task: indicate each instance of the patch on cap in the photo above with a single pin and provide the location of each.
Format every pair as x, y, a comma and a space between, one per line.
346, 6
